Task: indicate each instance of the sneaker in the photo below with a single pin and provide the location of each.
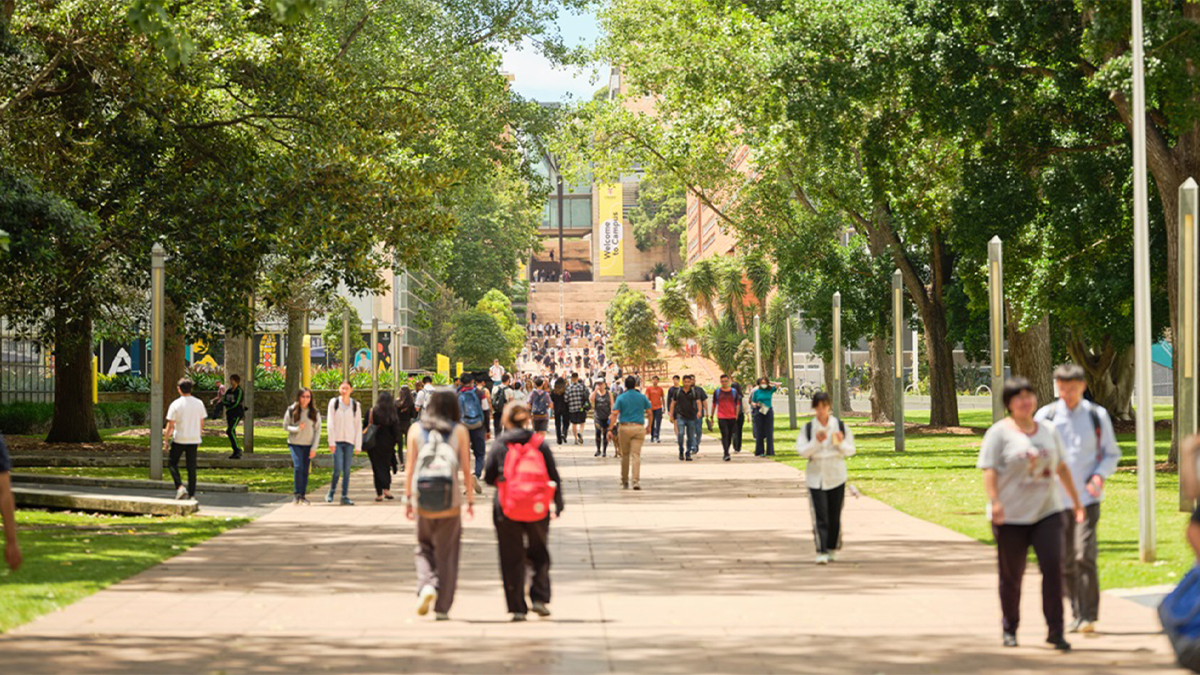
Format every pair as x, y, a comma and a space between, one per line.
727, 457
303, 502
1073, 627
425, 599
236, 455
329, 498
597, 453
518, 617
441, 616
295, 501
1087, 627
688, 458
624, 486
1059, 643
1010, 639
681, 457
637, 487
181, 493
346, 501
540, 608
833, 556
478, 486
822, 558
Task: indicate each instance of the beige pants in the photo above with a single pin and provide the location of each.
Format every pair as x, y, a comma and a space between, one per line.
630, 437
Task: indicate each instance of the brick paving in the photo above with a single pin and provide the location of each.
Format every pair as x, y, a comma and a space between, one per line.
707, 570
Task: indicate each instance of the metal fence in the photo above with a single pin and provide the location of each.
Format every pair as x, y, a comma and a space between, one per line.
26, 369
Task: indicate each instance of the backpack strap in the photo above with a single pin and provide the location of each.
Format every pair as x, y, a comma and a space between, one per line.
808, 430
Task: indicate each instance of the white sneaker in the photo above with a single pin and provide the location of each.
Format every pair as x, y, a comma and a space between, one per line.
1087, 627
181, 493
442, 616
822, 558
833, 556
426, 598
478, 486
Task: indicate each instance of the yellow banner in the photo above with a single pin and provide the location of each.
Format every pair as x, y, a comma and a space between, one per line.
612, 231
443, 366
460, 369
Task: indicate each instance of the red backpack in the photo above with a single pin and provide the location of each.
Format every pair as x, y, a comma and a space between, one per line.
526, 491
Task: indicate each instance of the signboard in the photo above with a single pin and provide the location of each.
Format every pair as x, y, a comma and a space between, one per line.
612, 231
443, 366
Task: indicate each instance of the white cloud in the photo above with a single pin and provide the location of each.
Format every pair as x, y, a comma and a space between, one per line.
537, 78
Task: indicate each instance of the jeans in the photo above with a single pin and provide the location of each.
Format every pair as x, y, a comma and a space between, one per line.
343, 455
1012, 550
764, 433
300, 464
656, 425
602, 435
1081, 583
188, 450
692, 430
478, 447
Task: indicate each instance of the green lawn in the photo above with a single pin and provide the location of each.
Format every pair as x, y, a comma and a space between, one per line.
935, 479
257, 480
69, 556
269, 436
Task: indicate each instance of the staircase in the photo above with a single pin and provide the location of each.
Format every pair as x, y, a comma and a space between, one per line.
582, 300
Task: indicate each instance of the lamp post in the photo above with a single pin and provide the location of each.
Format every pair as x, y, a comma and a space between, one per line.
836, 361
248, 387
346, 345
1141, 302
791, 377
758, 368
898, 354
157, 318
1186, 349
996, 323
374, 360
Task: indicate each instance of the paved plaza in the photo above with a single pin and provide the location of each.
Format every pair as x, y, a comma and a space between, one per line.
707, 570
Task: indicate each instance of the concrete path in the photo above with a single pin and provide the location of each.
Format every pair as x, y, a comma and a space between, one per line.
707, 570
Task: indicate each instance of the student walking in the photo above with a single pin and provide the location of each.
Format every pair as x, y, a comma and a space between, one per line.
1020, 460
577, 396
558, 397
602, 404
740, 425
763, 418
185, 419
688, 412
423, 394
656, 396
522, 467
235, 409
406, 412
1090, 451
501, 395
471, 410
345, 438
383, 452
438, 473
629, 419
540, 405
825, 442
727, 406
303, 425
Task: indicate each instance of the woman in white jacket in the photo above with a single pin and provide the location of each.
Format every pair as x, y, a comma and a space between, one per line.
303, 425
826, 442
344, 420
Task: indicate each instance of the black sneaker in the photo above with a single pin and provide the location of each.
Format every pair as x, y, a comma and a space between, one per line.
727, 457
689, 458
681, 456
236, 455
1059, 643
1010, 639
597, 453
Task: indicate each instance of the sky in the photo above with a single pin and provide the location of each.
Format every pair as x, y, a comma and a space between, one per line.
537, 79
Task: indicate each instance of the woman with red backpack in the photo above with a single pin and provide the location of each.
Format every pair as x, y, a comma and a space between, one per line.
522, 468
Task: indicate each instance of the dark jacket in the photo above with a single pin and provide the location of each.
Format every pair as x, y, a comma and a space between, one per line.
493, 466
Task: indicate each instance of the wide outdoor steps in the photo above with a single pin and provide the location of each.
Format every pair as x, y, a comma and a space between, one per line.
581, 301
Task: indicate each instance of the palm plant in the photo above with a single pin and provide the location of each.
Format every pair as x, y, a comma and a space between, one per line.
758, 273
675, 308
701, 282
720, 340
732, 290
774, 335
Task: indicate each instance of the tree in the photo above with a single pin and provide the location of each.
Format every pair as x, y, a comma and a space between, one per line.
478, 339
499, 307
333, 334
633, 329
659, 219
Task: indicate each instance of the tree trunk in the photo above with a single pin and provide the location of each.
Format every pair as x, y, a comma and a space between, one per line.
1029, 356
943, 393
235, 356
1109, 376
174, 352
295, 352
882, 372
74, 418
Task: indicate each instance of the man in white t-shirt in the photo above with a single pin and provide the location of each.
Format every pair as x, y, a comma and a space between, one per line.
496, 371
185, 418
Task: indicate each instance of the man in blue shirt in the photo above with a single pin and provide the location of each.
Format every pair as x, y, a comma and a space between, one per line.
1090, 450
629, 420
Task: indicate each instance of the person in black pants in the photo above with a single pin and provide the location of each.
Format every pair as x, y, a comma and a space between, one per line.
562, 415
523, 545
740, 424
383, 453
235, 410
406, 410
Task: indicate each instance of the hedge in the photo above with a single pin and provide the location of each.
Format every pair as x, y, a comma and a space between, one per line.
25, 417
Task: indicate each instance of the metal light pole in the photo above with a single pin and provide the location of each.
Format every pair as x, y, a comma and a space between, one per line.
1141, 302
562, 284
996, 323
836, 394
396, 333
374, 360
157, 319
898, 354
758, 368
1186, 349
791, 377
248, 387
346, 345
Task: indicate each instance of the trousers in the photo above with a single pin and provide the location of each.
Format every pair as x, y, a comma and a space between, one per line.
1012, 550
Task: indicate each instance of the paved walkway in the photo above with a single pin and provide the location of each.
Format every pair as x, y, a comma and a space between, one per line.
707, 570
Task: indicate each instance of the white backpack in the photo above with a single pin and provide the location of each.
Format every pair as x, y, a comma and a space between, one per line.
436, 473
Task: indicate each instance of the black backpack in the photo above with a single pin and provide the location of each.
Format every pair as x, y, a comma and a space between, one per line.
808, 428
499, 398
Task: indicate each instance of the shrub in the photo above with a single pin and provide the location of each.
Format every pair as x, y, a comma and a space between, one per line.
25, 417
268, 379
123, 382
206, 378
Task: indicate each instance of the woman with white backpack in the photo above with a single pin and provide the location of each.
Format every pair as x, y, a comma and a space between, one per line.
436, 476
521, 466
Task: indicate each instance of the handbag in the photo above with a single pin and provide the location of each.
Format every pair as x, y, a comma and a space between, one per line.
1180, 616
369, 437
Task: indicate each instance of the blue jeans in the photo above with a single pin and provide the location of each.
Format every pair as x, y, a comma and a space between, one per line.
300, 463
478, 447
656, 425
692, 429
343, 455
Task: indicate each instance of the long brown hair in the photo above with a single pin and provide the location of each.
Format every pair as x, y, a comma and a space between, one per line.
312, 408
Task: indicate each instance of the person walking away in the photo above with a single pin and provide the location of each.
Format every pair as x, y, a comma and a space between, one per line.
303, 425
8, 510
426, 390
235, 409
740, 425
727, 405
632, 425
383, 452
602, 404
521, 466
540, 405
471, 411
763, 418
345, 438
436, 476
656, 396
406, 412
501, 395
1090, 451
1020, 460
185, 419
825, 442
577, 396
558, 398
688, 411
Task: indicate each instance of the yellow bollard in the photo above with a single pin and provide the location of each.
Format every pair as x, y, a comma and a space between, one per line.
95, 379
306, 362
